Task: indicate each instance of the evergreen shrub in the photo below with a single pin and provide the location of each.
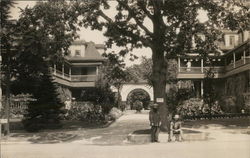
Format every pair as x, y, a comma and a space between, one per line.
45, 112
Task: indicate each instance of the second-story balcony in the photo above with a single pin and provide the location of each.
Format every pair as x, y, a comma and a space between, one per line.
75, 78
235, 61
71, 80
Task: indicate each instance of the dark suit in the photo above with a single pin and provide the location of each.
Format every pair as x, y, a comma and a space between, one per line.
154, 118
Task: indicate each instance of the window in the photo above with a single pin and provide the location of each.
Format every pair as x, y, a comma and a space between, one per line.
231, 40
77, 52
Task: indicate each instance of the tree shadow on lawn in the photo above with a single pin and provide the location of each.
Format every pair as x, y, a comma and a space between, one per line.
48, 137
225, 123
70, 131
148, 131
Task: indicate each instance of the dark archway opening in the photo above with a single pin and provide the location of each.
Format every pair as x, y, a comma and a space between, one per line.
138, 95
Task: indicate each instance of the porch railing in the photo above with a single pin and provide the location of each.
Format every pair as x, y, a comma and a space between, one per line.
190, 69
217, 69
75, 78
82, 78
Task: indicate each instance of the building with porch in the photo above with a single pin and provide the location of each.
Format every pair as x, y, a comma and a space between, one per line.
79, 70
233, 64
231, 70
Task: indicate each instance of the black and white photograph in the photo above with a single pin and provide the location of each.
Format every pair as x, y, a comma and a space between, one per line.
125, 79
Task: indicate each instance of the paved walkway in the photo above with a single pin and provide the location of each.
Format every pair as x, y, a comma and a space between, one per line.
109, 142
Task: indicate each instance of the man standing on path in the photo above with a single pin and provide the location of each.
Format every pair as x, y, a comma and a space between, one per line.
154, 118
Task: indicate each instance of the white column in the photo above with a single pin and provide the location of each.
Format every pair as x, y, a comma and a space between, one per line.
97, 70
234, 59
201, 65
202, 91
70, 72
179, 64
55, 69
244, 57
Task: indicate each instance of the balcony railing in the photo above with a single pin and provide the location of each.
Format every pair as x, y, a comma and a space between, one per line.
190, 70
83, 78
75, 78
199, 70
217, 69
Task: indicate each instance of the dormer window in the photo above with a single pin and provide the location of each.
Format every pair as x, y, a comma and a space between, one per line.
77, 53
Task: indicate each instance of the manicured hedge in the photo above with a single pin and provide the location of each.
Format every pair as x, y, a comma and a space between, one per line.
215, 116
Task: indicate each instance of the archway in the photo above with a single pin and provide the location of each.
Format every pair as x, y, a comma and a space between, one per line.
140, 95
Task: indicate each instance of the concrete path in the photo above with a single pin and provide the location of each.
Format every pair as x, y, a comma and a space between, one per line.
109, 143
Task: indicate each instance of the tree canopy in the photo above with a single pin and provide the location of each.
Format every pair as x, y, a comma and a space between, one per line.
44, 34
143, 71
167, 27
135, 23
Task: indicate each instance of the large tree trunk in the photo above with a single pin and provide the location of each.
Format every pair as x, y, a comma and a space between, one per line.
159, 65
159, 83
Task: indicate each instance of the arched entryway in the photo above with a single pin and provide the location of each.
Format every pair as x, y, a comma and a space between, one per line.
138, 95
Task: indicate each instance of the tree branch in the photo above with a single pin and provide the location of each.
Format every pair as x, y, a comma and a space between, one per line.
143, 7
105, 16
131, 11
145, 41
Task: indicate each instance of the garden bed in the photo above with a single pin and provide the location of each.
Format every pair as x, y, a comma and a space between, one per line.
216, 116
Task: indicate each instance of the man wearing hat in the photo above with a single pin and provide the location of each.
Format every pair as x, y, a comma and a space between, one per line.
154, 118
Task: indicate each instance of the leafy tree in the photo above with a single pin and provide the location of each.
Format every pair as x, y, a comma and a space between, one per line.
101, 95
114, 73
143, 71
172, 25
44, 34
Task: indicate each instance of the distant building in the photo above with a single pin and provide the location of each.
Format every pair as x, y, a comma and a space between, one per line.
232, 65
80, 68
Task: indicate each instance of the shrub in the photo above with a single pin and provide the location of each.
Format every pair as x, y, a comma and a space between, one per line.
228, 104
138, 105
196, 107
86, 112
115, 113
45, 111
177, 96
101, 96
139, 95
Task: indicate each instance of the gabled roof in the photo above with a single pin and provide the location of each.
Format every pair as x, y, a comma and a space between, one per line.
91, 52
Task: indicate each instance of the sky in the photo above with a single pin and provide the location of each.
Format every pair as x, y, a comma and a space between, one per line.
95, 36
